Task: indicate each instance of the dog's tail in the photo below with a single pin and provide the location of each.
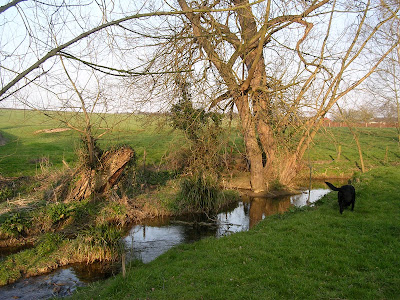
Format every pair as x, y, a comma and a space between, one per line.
331, 186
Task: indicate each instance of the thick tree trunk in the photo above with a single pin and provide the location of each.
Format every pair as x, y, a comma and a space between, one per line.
254, 153
263, 118
268, 144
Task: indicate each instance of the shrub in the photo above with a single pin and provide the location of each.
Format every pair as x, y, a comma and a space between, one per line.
48, 243
98, 243
104, 236
199, 194
59, 211
15, 224
204, 133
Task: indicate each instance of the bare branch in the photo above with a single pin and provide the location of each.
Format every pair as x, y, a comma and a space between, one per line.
9, 5
83, 35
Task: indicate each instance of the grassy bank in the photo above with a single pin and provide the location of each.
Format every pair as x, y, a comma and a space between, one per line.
51, 233
313, 253
60, 234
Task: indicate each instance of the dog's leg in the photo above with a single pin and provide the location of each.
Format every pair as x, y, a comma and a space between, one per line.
341, 205
353, 201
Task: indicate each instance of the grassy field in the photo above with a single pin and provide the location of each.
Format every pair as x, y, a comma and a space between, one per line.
313, 253
380, 147
25, 149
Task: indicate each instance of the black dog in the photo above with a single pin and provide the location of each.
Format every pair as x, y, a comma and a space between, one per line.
346, 195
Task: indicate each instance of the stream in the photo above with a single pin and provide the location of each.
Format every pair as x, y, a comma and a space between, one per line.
152, 238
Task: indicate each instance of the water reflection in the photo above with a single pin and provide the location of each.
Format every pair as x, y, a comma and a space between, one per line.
147, 242
252, 210
308, 197
233, 221
263, 207
154, 237
150, 239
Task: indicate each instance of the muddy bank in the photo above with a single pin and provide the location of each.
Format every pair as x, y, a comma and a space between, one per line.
17, 243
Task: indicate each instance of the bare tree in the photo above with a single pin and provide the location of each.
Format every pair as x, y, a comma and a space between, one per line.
384, 84
281, 64
359, 115
47, 29
386, 87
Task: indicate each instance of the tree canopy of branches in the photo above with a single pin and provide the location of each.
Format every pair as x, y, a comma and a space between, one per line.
385, 85
281, 65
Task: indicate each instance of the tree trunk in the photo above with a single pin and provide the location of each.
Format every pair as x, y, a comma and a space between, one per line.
99, 180
90, 142
254, 152
359, 149
250, 94
288, 168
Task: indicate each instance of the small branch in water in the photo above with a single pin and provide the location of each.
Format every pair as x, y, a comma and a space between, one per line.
194, 223
202, 223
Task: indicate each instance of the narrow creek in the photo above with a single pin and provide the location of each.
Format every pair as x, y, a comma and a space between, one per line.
152, 238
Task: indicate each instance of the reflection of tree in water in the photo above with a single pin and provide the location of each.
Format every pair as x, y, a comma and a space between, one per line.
263, 207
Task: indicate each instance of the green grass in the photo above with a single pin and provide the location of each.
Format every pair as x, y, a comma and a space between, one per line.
29, 260
24, 149
63, 234
54, 250
313, 253
21, 155
374, 144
